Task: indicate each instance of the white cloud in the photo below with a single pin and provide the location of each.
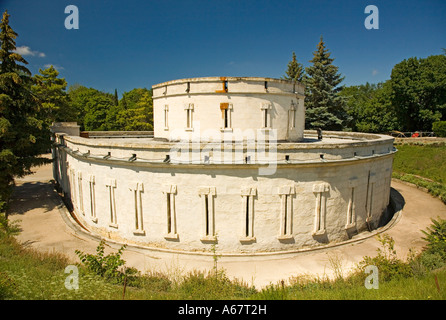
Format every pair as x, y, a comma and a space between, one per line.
374, 72
26, 51
55, 66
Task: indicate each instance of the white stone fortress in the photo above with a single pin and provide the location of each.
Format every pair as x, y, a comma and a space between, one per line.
229, 163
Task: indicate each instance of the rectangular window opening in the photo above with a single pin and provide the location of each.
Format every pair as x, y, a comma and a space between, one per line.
247, 217
171, 224
318, 212
111, 205
92, 200
292, 118
115, 220
208, 222
169, 215
351, 206
166, 117
188, 118
285, 213
206, 214
135, 196
80, 194
286, 232
351, 212
320, 191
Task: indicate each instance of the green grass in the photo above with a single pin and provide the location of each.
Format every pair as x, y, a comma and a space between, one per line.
32, 275
422, 165
352, 288
27, 274
428, 161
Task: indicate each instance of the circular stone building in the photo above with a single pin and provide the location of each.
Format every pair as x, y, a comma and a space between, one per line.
229, 163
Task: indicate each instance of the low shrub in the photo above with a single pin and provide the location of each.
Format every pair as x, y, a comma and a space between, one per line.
436, 237
434, 255
8, 228
7, 286
109, 266
387, 262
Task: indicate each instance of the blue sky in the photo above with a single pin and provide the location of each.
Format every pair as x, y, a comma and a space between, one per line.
134, 44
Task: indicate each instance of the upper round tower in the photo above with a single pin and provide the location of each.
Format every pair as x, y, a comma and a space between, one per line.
229, 108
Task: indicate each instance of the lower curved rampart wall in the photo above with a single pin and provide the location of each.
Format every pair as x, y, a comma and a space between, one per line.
190, 207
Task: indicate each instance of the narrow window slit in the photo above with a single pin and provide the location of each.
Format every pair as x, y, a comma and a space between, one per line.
206, 207
247, 217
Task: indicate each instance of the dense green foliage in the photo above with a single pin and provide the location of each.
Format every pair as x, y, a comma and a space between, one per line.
413, 99
369, 108
419, 92
134, 112
325, 108
97, 110
439, 128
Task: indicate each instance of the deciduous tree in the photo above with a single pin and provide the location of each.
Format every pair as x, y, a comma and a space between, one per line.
370, 108
419, 92
92, 107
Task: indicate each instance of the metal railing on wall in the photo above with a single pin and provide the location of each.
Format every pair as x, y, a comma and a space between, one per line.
413, 134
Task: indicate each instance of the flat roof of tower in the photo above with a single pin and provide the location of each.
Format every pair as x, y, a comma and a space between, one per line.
212, 79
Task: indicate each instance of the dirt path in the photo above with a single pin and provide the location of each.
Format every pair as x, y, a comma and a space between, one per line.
45, 226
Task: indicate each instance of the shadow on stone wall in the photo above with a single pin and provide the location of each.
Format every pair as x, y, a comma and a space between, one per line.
396, 204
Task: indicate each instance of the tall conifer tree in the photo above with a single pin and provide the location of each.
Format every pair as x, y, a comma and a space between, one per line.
325, 108
115, 99
22, 138
295, 70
